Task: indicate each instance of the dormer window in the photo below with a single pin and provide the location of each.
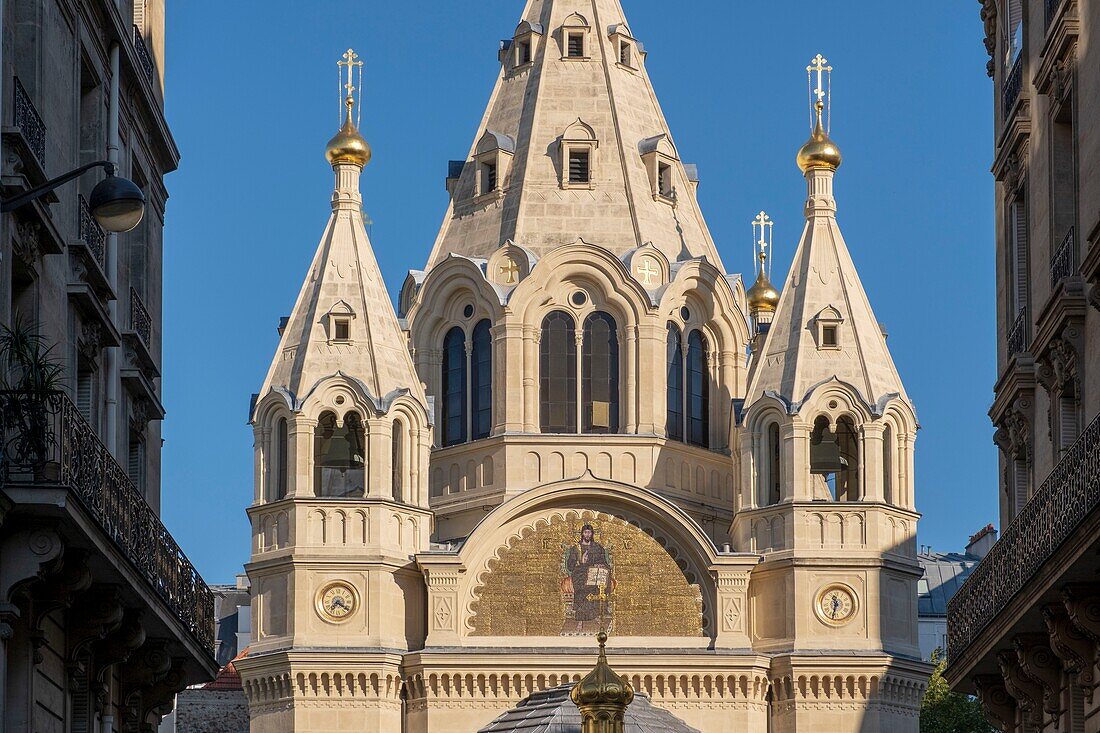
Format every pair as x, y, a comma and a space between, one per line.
827, 328
525, 43
574, 38
578, 156
624, 53
625, 46
338, 323
493, 156
659, 157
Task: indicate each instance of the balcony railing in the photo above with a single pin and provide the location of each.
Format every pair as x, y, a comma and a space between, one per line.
142, 49
92, 234
1018, 335
1063, 263
45, 441
1011, 90
1050, 7
140, 322
30, 122
1068, 496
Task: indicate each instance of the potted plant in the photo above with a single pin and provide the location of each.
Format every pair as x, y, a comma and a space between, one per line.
30, 395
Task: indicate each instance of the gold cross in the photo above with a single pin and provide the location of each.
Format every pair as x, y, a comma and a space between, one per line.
648, 272
819, 65
508, 271
764, 223
350, 61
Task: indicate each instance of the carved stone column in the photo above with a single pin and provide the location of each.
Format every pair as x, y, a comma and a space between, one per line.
732, 580
531, 422
442, 574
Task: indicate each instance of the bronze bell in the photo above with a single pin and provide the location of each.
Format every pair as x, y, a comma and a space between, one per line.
825, 455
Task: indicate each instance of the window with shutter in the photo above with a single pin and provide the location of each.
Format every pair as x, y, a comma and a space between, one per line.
579, 166
624, 54
135, 462
664, 179
523, 53
1068, 423
488, 178
576, 46
85, 392
1018, 222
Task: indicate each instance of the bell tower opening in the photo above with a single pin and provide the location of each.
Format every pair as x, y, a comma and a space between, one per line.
834, 460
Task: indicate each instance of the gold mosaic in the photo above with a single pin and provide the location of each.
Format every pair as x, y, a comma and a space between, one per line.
583, 573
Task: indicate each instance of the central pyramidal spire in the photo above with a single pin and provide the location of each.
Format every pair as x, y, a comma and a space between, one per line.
573, 145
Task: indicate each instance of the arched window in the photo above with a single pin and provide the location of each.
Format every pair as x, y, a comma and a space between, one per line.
454, 387
698, 391
558, 374
888, 465
281, 469
600, 374
481, 381
398, 462
834, 456
339, 457
774, 476
674, 391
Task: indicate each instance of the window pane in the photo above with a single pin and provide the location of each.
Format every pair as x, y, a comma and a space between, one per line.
600, 375
576, 45
281, 439
698, 401
674, 421
578, 166
558, 374
481, 380
454, 387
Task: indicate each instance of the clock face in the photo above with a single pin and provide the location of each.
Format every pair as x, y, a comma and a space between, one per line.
836, 604
337, 601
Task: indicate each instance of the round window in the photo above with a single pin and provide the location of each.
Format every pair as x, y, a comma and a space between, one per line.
339, 399
579, 298
467, 311
685, 314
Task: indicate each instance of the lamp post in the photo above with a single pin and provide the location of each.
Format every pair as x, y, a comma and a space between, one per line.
116, 202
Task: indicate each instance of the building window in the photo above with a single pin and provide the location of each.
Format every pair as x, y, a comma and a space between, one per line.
86, 390
523, 53
488, 178
576, 46
492, 159
398, 461
1014, 31
282, 439
341, 330
574, 38
827, 329
829, 338
674, 368
339, 457
888, 465
834, 458
774, 483
698, 390
664, 180
1018, 232
579, 171
135, 461
600, 374
658, 156
558, 374
481, 381
624, 53
454, 387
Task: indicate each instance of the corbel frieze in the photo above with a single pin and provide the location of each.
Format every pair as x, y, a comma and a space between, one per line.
998, 706
1039, 662
1026, 691
1076, 650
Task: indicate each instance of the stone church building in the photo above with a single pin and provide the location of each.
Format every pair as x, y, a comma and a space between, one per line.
577, 420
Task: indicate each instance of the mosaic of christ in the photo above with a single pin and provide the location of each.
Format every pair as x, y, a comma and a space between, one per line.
587, 586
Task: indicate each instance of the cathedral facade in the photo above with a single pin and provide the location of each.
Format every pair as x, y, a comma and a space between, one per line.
577, 421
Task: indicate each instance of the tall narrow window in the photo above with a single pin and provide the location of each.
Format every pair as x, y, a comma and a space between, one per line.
847, 479
624, 53
135, 461
523, 53
579, 166
664, 179
888, 465
85, 391
398, 462
488, 178
339, 457
1019, 264
1014, 40
558, 374
674, 391
576, 46
600, 374
282, 438
481, 381
1068, 418
454, 387
774, 481
698, 390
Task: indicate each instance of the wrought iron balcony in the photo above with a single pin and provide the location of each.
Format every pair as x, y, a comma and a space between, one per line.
1018, 340
144, 57
30, 122
140, 322
1050, 8
45, 441
1068, 496
1063, 263
1010, 92
92, 234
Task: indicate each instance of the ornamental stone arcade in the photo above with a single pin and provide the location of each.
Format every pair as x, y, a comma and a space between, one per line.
578, 422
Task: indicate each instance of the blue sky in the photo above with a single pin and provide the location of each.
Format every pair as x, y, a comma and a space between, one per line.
251, 100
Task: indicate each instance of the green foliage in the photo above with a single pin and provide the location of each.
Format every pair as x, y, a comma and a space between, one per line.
944, 711
30, 380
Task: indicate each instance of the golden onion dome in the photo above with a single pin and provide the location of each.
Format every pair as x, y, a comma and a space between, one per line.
348, 146
819, 151
762, 296
602, 686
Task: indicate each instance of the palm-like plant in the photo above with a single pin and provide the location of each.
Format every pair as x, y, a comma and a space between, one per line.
30, 383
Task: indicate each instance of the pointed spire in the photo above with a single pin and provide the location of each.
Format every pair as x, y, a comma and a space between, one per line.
602, 696
823, 327
343, 320
635, 188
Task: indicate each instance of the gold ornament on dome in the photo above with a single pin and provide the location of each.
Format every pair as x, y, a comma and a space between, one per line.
583, 574
337, 601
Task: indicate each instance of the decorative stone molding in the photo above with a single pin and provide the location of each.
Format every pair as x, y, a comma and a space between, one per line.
1083, 605
27, 244
989, 21
1039, 662
1027, 692
1014, 433
998, 706
1076, 650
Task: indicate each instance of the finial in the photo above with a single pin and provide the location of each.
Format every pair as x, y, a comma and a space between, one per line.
603, 693
819, 152
762, 296
348, 146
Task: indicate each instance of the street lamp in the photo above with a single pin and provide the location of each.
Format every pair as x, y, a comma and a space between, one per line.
116, 202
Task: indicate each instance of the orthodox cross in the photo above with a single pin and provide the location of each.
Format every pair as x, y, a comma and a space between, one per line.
351, 60
819, 66
648, 272
508, 271
762, 234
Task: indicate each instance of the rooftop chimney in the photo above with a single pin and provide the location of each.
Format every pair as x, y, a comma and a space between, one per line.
980, 544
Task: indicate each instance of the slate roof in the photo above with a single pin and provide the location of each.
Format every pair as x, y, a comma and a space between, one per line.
944, 574
551, 711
